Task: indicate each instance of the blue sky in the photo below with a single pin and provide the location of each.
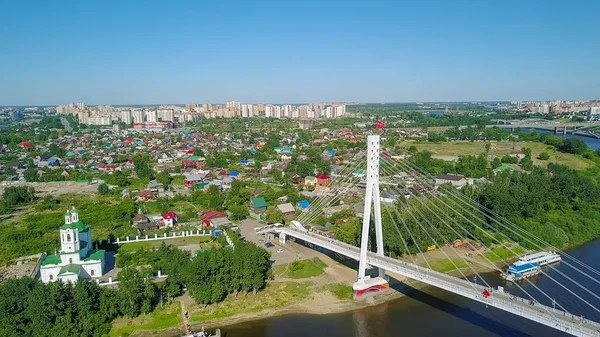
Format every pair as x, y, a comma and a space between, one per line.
128, 52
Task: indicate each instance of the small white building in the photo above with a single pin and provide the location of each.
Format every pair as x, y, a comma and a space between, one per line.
76, 258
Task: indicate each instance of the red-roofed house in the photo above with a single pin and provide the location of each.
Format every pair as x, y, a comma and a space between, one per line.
170, 219
146, 195
323, 179
214, 219
26, 145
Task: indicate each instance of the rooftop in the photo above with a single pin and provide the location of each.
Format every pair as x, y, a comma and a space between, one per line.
80, 226
70, 268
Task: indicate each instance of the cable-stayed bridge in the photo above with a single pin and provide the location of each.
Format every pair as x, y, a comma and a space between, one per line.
437, 213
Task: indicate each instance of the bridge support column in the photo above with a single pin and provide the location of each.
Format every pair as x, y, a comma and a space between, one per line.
365, 283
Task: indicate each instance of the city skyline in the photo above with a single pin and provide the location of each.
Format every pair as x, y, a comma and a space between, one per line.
124, 53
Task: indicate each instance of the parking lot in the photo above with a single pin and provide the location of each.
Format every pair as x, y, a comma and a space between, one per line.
291, 250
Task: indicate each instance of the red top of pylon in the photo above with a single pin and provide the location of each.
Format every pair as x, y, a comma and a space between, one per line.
380, 125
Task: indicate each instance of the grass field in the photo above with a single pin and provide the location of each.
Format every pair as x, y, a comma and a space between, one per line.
159, 319
300, 269
274, 295
500, 149
341, 291
445, 265
502, 254
185, 241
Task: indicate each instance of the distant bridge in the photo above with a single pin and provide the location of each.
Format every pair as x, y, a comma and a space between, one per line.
542, 124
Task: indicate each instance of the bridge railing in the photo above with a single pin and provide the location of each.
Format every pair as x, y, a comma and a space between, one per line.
541, 313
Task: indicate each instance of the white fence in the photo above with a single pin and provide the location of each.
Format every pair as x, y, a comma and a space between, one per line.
112, 282
164, 236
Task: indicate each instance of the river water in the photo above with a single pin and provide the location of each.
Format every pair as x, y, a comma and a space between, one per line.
434, 312
593, 143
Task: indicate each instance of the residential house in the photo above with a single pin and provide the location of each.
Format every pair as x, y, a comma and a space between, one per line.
155, 186
358, 173
503, 169
146, 195
142, 222
258, 204
193, 179
287, 209
310, 181
297, 179
456, 180
170, 219
214, 219
323, 179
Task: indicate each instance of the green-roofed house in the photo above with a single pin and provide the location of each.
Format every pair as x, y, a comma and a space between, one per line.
505, 168
76, 258
258, 205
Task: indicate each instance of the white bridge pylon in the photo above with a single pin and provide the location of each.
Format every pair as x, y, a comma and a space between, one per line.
364, 283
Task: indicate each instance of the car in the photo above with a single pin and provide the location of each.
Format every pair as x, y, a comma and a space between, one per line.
269, 244
280, 250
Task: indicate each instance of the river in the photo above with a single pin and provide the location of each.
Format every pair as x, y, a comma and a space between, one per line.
593, 143
434, 312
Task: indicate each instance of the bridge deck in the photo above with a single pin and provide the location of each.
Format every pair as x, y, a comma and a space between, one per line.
551, 317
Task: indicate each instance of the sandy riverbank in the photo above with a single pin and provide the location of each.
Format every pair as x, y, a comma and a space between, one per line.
318, 301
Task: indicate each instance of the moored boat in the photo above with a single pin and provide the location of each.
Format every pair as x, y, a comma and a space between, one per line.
529, 265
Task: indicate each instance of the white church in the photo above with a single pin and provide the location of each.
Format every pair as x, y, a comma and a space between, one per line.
76, 258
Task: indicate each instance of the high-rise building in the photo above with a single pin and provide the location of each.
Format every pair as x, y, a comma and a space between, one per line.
84, 118
245, 111
151, 116
250, 111
138, 116
126, 116
268, 111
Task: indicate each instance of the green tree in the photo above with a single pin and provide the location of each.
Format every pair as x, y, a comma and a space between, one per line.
544, 156
164, 178
273, 215
103, 189
142, 166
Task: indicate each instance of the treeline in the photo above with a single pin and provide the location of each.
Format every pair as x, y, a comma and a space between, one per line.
31, 308
212, 274
15, 196
559, 205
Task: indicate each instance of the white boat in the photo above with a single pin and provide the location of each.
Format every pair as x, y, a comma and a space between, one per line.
541, 258
530, 265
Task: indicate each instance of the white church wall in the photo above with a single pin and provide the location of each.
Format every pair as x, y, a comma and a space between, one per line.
92, 270
49, 274
70, 258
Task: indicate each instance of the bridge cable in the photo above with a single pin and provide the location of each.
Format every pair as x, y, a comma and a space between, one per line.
551, 278
551, 267
408, 210
320, 200
444, 238
477, 206
489, 261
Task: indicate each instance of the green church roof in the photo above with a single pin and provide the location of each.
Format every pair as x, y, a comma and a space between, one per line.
70, 268
51, 259
80, 226
95, 255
